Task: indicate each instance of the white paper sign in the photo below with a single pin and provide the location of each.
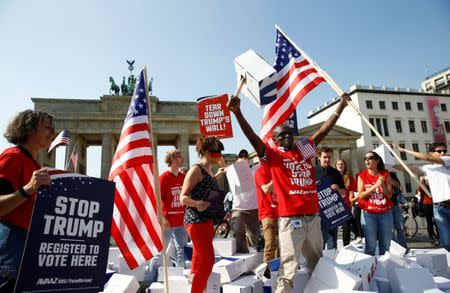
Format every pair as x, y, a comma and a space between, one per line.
240, 177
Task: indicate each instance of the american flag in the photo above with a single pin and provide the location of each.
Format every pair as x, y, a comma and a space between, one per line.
62, 138
307, 149
135, 225
295, 78
74, 159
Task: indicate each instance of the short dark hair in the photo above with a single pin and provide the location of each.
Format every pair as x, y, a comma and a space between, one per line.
380, 165
23, 124
435, 145
243, 153
324, 149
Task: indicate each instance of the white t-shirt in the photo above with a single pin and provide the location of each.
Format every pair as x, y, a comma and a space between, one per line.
244, 201
439, 179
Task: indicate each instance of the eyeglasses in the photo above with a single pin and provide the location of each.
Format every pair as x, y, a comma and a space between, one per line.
441, 151
369, 158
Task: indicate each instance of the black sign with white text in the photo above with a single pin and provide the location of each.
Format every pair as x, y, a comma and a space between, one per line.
333, 210
68, 240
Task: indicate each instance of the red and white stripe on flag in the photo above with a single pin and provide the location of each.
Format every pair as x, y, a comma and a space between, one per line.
295, 78
135, 225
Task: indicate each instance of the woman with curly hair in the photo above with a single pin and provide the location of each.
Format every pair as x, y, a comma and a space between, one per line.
20, 177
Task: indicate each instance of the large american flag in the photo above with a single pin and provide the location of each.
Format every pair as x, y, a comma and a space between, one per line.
135, 225
295, 78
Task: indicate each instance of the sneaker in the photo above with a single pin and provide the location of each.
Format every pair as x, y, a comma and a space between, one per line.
357, 240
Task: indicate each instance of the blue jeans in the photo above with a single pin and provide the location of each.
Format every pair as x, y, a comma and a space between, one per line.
12, 242
399, 226
179, 238
442, 219
377, 227
329, 237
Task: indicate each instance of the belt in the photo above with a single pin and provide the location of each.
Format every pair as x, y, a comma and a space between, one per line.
444, 204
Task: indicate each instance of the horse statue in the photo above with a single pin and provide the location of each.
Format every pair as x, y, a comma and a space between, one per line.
114, 87
124, 87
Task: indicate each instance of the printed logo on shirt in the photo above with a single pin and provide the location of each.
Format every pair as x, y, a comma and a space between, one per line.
300, 172
176, 191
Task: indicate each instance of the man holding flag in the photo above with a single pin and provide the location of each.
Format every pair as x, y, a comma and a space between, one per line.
290, 164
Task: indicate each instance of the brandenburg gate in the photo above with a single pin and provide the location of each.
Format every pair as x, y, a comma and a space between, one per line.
99, 122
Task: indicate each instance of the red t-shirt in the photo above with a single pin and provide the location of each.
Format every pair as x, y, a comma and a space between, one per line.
294, 181
425, 198
267, 203
17, 168
353, 186
377, 202
170, 195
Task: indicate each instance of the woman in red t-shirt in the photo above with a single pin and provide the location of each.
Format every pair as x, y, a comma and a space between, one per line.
351, 187
374, 197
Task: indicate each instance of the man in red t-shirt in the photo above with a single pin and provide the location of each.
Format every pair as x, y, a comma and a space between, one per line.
294, 185
267, 211
171, 183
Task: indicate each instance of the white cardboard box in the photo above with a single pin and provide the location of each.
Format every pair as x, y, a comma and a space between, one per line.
224, 246
412, 280
260, 86
250, 284
391, 262
359, 264
124, 269
397, 249
121, 284
432, 261
156, 287
301, 279
113, 256
213, 285
229, 270
329, 275
171, 271
442, 283
251, 260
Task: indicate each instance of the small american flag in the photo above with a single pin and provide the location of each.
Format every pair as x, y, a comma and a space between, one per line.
74, 159
135, 225
295, 78
307, 149
62, 138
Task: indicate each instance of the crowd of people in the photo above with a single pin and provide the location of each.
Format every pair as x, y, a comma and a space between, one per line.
284, 200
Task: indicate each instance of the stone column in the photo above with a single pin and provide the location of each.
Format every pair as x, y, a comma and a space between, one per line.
353, 164
47, 159
107, 154
182, 144
336, 155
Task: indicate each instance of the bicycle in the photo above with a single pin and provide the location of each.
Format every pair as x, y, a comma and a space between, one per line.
410, 223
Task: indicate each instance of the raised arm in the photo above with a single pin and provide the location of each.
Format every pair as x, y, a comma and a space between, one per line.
234, 104
331, 121
424, 157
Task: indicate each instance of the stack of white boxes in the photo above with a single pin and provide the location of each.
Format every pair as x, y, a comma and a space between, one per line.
346, 270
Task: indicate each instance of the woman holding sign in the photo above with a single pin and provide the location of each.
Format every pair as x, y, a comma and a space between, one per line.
20, 177
375, 191
197, 186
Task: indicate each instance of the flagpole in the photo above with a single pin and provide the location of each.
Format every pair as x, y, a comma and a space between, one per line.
66, 165
157, 189
339, 91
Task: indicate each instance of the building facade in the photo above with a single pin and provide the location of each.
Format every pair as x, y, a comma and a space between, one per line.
438, 82
400, 116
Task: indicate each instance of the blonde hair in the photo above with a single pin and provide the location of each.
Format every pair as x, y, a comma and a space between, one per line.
170, 155
345, 175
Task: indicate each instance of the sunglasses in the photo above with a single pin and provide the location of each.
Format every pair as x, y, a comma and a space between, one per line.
441, 151
284, 134
215, 154
242, 156
369, 158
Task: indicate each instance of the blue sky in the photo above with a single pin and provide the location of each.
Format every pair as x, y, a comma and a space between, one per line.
68, 49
